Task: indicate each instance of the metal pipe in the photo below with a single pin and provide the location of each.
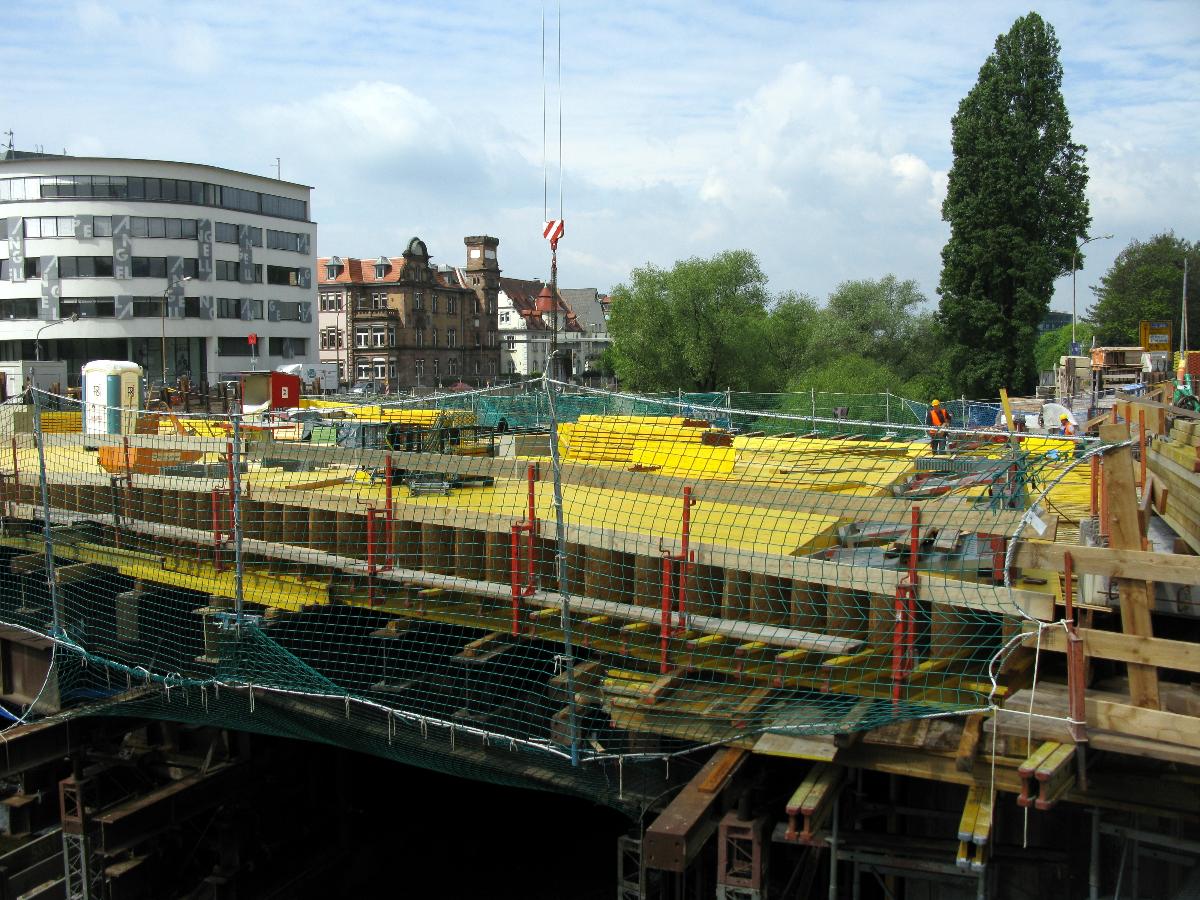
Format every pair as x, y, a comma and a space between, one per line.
236, 486
1094, 862
560, 525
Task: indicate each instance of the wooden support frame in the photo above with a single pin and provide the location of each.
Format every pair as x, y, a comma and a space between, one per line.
1125, 534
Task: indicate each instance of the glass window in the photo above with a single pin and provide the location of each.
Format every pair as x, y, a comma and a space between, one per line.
33, 228
158, 227
102, 226
87, 266
167, 186
135, 188
139, 226
188, 228
67, 267
174, 228
153, 189
66, 226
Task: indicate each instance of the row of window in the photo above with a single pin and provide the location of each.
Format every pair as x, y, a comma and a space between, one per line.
155, 267
158, 227
380, 369
286, 347
333, 302
366, 336
153, 308
169, 190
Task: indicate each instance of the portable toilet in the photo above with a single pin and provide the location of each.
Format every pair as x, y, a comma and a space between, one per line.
112, 396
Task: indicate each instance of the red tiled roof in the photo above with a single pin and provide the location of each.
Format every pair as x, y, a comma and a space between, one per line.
360, 271
523, 294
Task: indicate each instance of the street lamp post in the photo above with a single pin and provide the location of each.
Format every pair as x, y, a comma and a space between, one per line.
37, 339
1074, 254
163, 320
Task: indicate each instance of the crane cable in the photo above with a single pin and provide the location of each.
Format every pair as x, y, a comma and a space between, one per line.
545, 119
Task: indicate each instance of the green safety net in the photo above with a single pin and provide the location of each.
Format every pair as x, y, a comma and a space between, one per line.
540, 583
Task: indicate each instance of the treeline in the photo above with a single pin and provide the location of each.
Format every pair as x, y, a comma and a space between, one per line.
712, 324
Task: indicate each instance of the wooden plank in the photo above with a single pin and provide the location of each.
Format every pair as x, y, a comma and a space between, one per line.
1125, 533
1166, 568
1127, 648
1170, 728
936, 512
968, 743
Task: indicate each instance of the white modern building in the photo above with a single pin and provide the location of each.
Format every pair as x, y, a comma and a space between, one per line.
128, 258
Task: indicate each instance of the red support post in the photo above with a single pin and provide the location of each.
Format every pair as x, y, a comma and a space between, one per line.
904, 633
525, 587
1076, 666
664, 634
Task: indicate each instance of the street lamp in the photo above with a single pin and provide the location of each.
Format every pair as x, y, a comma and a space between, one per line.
163, 320
37, 340
1074, 253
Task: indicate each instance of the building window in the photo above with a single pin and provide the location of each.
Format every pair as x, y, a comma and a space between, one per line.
391, 370
331, 303
433, 333
227, 270
491, 339
287, 347
435, 367
89, 308
510, 343
391, 335
451, 337
419, 367
283, 275
417, 300
419, 335
477, 344
475, 367
364, 371
452, 366
451, 304
378, 336
491, 367
286, 240
380, 369
362, 337
233, 346
380, 299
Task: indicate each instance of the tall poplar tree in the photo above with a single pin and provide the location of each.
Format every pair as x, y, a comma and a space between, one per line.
1016, 207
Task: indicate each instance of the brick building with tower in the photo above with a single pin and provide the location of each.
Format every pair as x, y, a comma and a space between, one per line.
399, 322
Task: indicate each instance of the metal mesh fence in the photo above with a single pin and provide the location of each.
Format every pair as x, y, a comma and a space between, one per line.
540, 587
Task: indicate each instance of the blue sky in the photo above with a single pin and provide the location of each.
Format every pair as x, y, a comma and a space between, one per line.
815, 134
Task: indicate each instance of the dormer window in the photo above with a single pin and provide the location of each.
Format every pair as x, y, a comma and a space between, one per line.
381, 267
333, 267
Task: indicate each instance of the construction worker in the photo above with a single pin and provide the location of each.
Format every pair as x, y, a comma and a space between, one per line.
939, 418
1068, 429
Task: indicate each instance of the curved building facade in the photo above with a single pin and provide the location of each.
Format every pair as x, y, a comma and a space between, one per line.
151, 255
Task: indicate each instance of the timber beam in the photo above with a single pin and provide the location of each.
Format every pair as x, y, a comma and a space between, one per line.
675, 838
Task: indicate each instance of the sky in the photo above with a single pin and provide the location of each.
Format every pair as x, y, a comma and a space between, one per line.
815, 134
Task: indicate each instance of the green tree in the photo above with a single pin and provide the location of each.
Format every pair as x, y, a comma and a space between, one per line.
788, 338
878, 319
1053, 345
1145, 281
695, 327
1016, 207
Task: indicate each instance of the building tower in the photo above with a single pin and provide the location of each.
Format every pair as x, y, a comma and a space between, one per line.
483, 277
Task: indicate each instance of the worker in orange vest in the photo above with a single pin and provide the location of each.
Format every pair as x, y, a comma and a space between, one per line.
1068, 429
939, 418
